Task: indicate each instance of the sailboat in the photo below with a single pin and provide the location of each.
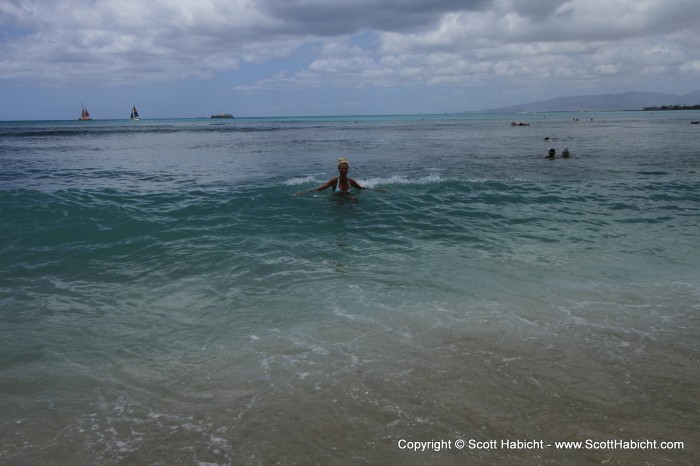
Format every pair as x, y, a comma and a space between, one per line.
134, 113
84, 114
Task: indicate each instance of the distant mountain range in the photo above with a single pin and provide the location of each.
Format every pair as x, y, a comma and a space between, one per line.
603, 102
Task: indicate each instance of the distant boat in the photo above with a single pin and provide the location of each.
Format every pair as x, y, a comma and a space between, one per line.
84, 114
222, 115
134, 113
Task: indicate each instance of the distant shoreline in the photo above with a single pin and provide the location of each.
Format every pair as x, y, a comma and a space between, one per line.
673, 107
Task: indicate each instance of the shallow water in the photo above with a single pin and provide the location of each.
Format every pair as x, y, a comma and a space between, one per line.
165, 298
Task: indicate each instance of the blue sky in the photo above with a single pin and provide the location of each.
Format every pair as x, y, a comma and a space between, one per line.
180, 58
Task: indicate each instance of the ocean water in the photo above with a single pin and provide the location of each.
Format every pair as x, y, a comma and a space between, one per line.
167, 299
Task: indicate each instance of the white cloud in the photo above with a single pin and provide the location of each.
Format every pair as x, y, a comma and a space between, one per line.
134, 41
356, 42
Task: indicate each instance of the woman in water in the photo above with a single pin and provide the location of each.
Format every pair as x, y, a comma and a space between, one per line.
341, 183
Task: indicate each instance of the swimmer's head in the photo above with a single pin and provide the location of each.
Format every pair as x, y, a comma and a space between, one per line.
343, 161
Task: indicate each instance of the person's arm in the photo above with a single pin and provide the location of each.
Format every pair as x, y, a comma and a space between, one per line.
325, 185
355, 184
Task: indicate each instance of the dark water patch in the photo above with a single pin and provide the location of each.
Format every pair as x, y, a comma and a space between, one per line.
102, 130
649, 220
622, 206
652, 173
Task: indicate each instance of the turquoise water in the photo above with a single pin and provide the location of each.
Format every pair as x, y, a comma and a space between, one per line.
166, 298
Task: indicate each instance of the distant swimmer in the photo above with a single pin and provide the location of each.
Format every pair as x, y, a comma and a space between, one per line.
341, 183
550, 154
565, 153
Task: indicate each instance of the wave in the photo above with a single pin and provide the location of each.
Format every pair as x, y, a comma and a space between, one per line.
400, 180
374, 182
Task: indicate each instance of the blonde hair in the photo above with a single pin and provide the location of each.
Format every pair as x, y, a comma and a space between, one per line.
343, 160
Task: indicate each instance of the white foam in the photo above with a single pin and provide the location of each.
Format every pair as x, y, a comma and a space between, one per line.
400, 180
376, 181
301, 180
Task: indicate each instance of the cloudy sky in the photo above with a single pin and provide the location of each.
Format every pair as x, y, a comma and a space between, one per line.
189, 58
